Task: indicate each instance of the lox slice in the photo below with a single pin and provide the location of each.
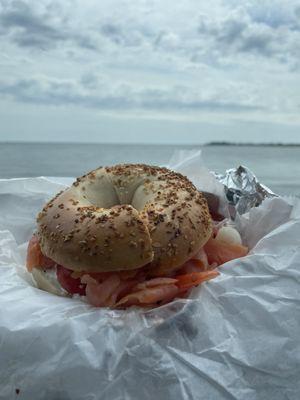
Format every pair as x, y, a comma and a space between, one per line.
220, 252
35, 258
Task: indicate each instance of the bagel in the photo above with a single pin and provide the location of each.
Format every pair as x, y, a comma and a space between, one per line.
123, 218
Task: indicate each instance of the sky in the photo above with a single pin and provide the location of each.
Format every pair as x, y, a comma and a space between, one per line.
150, 71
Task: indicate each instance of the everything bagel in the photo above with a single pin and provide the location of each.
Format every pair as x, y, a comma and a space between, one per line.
124, 217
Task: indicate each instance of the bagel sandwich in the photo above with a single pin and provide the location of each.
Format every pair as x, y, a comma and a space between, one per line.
130, 234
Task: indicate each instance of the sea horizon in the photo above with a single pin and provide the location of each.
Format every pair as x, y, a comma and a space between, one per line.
276, 166
210, 143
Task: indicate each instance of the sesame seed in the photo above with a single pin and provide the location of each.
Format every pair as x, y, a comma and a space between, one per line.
156, 244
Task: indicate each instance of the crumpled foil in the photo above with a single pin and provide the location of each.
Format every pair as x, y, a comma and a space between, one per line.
243, 190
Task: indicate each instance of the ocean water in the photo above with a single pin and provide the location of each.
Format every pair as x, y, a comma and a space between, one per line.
276, 166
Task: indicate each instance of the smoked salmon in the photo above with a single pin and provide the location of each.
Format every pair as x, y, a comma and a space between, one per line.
35, 258
187, 281
149, 296
138, 287
220, 252
99, 294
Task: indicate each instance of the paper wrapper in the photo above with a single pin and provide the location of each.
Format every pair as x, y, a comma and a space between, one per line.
237, 337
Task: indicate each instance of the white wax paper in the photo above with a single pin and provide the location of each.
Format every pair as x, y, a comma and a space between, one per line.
238, 337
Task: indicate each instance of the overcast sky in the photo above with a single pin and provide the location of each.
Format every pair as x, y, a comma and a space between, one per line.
150, 70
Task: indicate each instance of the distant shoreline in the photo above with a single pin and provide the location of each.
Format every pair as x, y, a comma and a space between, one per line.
252, 144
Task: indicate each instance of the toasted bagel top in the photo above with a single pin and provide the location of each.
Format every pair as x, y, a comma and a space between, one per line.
124, 217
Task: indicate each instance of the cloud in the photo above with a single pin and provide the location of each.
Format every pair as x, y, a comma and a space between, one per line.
124, 36
38, 30
275, 14
98, 93
113, 32
29, 29
47, 25
222, 57
225, 34
256, 29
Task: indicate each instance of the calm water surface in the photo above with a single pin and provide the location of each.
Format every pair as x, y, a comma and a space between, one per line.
276, 167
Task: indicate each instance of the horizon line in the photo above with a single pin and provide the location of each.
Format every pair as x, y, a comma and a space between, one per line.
212, 143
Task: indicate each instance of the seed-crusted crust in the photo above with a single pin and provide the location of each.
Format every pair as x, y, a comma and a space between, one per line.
124, 217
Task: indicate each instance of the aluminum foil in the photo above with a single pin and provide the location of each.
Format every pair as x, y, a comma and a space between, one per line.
243, 190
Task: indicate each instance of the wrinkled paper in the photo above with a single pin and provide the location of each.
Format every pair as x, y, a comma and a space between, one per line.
237, 337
